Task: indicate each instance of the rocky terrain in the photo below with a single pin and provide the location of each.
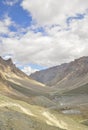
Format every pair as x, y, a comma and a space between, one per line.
65, 75
59, 102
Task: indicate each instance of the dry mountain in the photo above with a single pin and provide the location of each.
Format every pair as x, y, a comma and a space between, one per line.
31, 105
65, 76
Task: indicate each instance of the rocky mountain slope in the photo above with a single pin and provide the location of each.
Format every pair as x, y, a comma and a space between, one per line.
65, 76
30, 105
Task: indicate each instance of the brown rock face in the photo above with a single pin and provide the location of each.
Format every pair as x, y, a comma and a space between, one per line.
8, 67
64, 75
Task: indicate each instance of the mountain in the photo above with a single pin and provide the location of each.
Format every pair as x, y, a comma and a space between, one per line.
65, 76
31, 105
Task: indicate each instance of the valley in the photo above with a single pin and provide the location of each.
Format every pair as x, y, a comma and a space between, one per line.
26, 103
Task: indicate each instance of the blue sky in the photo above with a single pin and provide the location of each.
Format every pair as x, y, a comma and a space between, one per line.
40, 34
16, 13
22, 19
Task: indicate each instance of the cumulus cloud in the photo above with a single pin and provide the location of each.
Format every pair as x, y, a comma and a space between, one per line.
28, 70
10, 2
5, 22
59, 44
54, 11
49, 50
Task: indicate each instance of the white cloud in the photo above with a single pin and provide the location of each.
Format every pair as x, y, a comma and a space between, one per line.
55, 48
54, 11
5, 23
61, 44
28, 70
10, 2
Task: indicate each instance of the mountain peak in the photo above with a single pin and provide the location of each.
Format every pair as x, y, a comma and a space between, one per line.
1, 59
84, 58
8, 66
63, 74
6, 62
9, 61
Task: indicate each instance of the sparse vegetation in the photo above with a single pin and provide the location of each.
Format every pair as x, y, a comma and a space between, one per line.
28, 105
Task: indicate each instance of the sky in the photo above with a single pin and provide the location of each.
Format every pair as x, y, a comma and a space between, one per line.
38, 34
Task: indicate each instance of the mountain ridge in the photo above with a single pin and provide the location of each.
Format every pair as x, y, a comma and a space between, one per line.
55, 75
31, 105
